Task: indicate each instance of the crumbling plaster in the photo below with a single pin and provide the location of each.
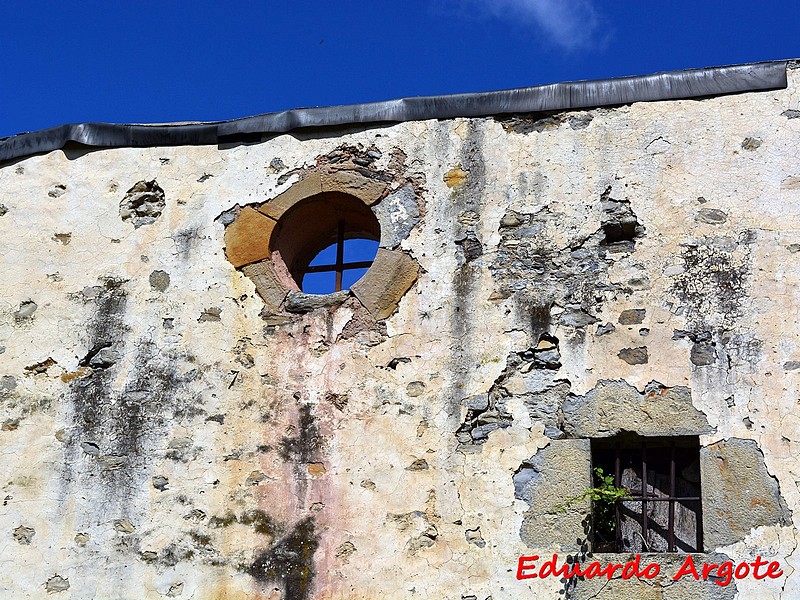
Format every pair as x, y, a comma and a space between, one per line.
213, 451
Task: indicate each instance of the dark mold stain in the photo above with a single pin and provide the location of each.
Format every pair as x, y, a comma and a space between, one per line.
222, 521
470, 199
715, 281
289, 562
122, 424
302, 447
260, 521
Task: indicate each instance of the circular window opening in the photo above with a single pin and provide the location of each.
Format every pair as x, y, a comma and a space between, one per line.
327, 242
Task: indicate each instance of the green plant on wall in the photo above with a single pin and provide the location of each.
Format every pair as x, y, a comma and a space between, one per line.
604, 497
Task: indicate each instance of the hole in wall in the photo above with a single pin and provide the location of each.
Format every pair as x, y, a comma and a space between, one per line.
327, 242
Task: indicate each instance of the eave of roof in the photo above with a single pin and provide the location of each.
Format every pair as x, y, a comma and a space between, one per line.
673, 85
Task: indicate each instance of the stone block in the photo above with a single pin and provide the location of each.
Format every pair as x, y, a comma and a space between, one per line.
556, 473
398, 213
247, 238
300, 302
390, 276
268, 284
366, 189
738, 492
615, 406
310, 185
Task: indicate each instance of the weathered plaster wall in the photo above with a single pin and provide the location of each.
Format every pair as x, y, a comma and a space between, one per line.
165, 436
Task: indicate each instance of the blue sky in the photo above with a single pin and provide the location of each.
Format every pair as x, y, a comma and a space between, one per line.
165, 61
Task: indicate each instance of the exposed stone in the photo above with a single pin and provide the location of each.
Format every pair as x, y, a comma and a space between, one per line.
615, 406
415, 388
124, 526
390, 276
634, 356
210, 314
632, 316
142, 204
471, 247
344, 551
510, 219
545, 405
397, 214
316, 469
619, 223
366, 189
477, 402
554, 433
247, 238
64, 238
56, 584
23, 535
750, 143
703, 354
299, 302
10, 425
455, 177
268, 284
25, 310
712, 216
576, 318
474, 536
605, 329
418, 465
40, 367
789, 365
746, 495
159, 280
160, 482
8, 383
276, 165
557, 472
57, 191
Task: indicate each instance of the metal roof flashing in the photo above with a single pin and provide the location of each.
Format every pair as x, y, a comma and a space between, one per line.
672, 85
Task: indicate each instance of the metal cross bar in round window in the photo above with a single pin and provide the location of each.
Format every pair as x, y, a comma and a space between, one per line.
345, 270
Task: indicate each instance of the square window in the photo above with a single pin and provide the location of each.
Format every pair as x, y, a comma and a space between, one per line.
662, 511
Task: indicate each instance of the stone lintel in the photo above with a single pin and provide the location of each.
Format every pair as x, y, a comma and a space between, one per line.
368, 190
308, 186
612, 407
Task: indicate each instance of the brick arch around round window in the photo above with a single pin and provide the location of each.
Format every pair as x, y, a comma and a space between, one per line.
261, 237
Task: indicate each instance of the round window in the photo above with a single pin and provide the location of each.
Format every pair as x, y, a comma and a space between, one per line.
327, 242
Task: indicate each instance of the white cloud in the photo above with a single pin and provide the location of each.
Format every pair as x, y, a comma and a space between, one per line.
572, 24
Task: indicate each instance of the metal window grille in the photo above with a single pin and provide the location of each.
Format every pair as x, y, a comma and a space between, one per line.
657, 463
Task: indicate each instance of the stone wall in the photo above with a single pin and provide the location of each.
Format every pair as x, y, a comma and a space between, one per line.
172, 428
